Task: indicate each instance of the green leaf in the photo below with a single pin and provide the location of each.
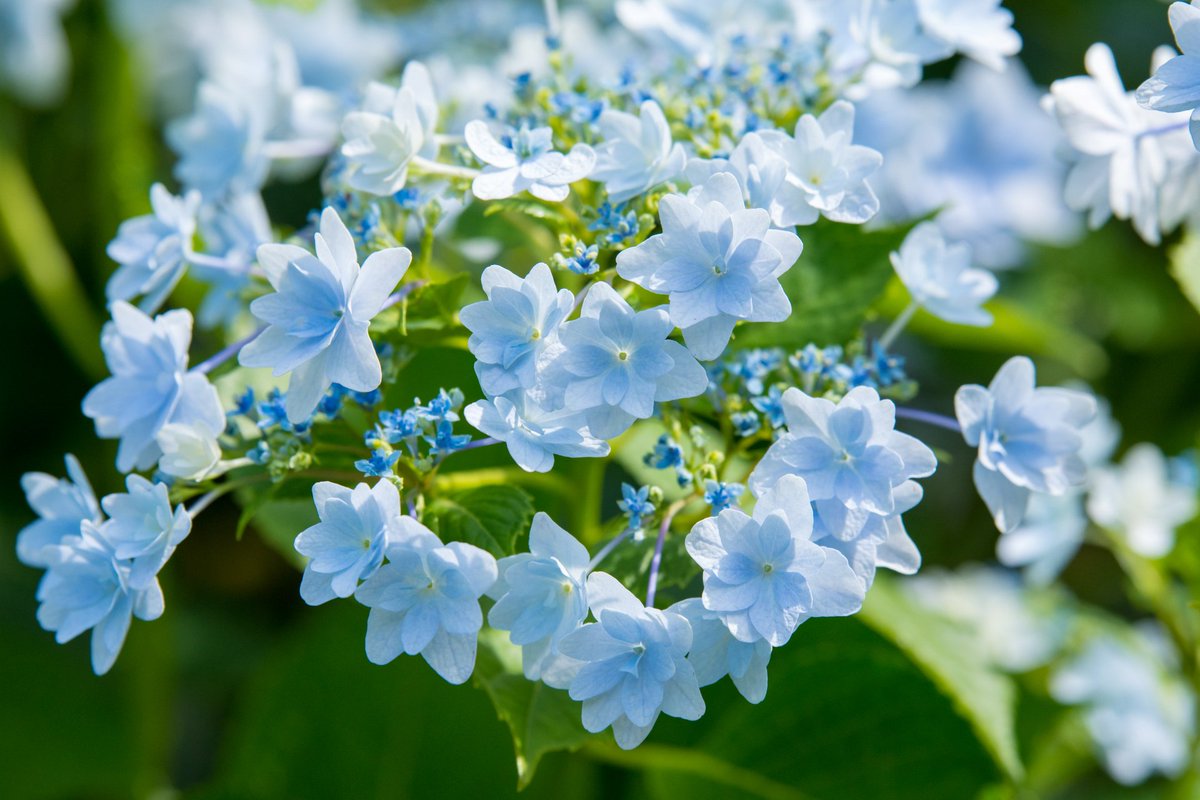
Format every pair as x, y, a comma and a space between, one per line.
277, 522
946, 653
530, 208
839, 277
318, 720
1185, 266
491, 517
541, 719
847, 715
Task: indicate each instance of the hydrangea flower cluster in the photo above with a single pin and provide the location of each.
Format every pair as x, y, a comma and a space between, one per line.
665, 207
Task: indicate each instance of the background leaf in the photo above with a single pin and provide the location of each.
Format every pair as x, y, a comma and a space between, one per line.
949, 657
491, 517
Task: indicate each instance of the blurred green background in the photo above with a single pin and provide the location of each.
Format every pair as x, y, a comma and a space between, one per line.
242, 691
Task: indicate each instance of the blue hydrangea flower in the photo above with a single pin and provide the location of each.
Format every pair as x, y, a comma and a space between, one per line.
582, 260
1141, 501
635, 504
150, 385
319, 314
541, 596
637, 152
348, 544
34, 52
445, 441
153, 249
87, 587
716, 652
771, 405
940, 278
396, 426
616, 225
634, 664
511, 329
1175, 86
220, 145
1049, 536
848, 453
525, 160
619, 362
425, 600
797, 179
717, 261
1028, 438
144, 528
1141, 721
871, 541
825, 171
534, 435
390, 129
979, 29
721, 495
61, 505
763, 575
379, 465
745, 423
442, 408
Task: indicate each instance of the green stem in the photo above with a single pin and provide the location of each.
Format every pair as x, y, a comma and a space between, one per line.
588, 487
689, 761
44, 265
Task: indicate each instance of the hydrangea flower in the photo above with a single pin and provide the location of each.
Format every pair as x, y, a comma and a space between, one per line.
511, 329
716, 652
150, 386
1049, 536
426, 600
619, 362
189, 451
1139, 501
940, 279
541, 596
763, 575
637, 152
61, 505
980, 29
878, 45
1015, 629
871, 541
220, 146
34, 54
634, 664
826, 173
717, 261
347, 545
86, 587
1175, 85
1121, 159
391, 129
143, 528
525, 160
153, 249
319, 314
1028, 438
635, 504
720, 495
849, 454
534, 434
1140, 721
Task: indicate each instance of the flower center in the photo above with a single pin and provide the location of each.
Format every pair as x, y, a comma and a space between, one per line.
623, 356
768, 568
535, 334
